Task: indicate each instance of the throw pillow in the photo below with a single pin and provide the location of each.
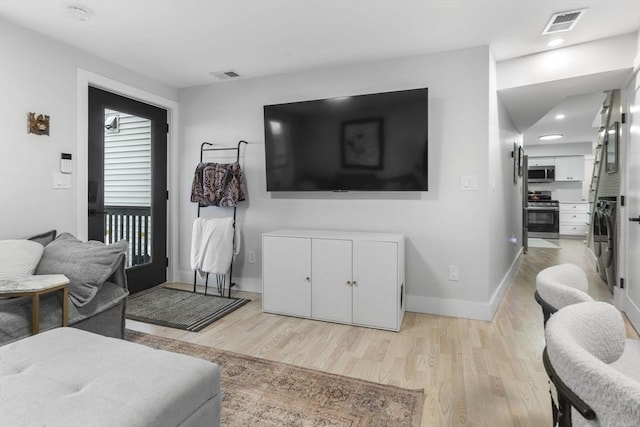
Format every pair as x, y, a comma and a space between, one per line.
44, 238
87, 264
19, 258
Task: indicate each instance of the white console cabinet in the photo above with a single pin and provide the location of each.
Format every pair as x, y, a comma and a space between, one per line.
346, 277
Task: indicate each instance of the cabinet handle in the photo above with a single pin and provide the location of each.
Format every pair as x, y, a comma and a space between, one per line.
349, 282
307, 278
353, 283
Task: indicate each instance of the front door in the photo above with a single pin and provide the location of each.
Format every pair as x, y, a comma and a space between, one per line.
128, 182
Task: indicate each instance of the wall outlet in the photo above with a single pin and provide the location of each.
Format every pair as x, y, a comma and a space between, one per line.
251, 257
454, 273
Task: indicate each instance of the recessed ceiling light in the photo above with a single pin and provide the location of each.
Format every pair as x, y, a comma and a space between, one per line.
79, 12
560, 116
555, 42
339, 98
550, 137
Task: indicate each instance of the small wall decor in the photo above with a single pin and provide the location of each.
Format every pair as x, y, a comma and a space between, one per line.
38, 124
514, 156
520, 160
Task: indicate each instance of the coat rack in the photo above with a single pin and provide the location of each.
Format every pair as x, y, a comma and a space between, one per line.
220, 279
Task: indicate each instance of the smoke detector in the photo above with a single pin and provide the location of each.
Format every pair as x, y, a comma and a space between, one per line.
563, 21
225, 75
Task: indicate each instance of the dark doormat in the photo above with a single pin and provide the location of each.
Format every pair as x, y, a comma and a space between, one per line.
180, 309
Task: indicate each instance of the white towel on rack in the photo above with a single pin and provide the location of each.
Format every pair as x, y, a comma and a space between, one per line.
212, 245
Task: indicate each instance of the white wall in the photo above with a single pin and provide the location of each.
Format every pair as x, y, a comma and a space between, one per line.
505, 195
38, 74
444, 226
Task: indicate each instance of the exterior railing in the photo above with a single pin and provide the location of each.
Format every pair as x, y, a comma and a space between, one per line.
133, 224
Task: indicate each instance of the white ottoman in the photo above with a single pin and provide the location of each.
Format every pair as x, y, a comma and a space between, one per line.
69, 377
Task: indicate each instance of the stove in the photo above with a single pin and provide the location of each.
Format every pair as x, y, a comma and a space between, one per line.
543, 215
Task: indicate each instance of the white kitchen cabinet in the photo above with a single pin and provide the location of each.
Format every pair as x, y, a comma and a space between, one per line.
574, 218
569, 168
542, 161
354, 277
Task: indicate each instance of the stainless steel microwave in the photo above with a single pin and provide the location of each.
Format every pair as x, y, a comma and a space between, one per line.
541, 174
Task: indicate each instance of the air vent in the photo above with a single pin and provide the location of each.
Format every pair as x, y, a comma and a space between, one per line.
563, 21
225, 75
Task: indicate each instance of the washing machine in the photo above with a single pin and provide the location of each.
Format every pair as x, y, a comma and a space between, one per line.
596, 234
609, 242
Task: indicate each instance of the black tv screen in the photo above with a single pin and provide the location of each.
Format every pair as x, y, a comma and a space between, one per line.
375, 142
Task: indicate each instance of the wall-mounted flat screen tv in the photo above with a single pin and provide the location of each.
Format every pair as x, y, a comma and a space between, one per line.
374, 142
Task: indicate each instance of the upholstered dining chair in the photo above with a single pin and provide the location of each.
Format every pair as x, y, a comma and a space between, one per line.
594, 365
559, 286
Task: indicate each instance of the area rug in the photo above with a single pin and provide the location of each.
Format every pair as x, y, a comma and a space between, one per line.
260, 392
180, 309
534, 242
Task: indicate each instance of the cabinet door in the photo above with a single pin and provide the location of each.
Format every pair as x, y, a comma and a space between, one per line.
570, 168
331, 280
541, 161
286, 275
376, 292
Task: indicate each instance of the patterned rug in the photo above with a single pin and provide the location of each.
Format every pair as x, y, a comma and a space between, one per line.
180, 309
260, 392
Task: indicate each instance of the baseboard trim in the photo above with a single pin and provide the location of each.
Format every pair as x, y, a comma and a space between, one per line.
242, 284
416, 303
462, 308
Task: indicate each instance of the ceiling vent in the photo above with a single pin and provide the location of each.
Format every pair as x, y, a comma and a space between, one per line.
563, 21
225, 75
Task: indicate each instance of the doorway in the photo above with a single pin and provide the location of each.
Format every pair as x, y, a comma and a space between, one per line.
127, 182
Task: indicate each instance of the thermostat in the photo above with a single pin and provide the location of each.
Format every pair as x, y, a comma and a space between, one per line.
65, 163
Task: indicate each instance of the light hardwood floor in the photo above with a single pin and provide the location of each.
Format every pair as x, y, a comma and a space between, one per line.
474, 373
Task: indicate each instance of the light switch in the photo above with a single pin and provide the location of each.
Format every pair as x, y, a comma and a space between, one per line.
61, 180
469, 183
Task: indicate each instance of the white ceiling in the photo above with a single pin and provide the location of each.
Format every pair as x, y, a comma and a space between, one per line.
179, 42
533, 108
580, 112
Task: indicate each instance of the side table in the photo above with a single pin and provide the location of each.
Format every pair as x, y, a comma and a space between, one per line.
34, 286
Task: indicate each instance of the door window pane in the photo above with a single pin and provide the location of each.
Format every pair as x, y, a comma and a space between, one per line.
127, 183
